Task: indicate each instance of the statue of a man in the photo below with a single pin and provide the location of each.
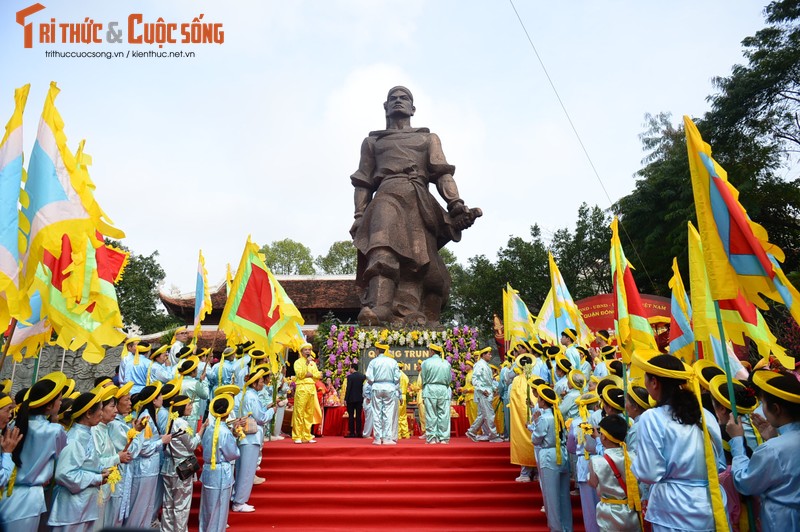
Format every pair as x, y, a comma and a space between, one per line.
399, 226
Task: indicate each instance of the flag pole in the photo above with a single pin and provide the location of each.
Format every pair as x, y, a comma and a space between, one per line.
727, 363
13, 371
7, 344
36, 368
63, 356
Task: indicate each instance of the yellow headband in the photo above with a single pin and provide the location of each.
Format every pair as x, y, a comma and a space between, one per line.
188, 368
6, 401
722, 381
149, 399
641, 359
482, 351
160, 351
382, 347
638, 400
182, 402
572, 375
762, 380
124, 390
254, 377
540, 391
215, 439
60, 381
78, 413
702, 364
605, 433
569, 333
175, 387
611, 401
560, 360
226, 389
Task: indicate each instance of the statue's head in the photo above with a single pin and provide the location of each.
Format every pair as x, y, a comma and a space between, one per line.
399, 101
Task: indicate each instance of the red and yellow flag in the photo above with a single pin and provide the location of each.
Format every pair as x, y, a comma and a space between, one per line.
258, 309
738, 254
630, 321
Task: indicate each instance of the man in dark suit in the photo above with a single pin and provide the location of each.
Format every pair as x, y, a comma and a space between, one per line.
354, 399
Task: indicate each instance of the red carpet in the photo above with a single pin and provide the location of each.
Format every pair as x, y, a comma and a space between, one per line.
350, 484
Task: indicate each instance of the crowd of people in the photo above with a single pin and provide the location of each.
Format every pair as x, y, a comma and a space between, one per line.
654, 445
124, 453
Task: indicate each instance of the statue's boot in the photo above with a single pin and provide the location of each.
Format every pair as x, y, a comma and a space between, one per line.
380, 296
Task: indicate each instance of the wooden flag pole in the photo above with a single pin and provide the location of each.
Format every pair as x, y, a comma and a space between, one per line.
7, 343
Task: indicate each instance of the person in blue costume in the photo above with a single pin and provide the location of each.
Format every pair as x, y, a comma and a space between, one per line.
250, 446
576, 382
126, 358
178, 492
773, 471
636, 403
746, 403
436, 378
221, 373
194, 387
549, 436
610, 475
678, 444
23, 500
368, 425
158, 369
483, 383
124, 436
9, 439
146, 468
219, 450
568, 339
504, 391
108, 454
79, 470
563, 367
133, 368
383, 374
581, 429
607, 355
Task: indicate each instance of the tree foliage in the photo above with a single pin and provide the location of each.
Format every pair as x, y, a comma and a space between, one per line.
753, 130
137, 293
287, 257
340, 260
582, 257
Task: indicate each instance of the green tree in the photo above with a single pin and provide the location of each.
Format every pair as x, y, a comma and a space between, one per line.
287, 257
137, 293
340, 260
477, 291
753, 130
654, 216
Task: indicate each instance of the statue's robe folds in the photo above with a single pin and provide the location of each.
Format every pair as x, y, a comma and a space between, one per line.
400, 214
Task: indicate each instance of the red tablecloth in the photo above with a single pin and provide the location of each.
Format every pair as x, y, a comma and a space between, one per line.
459, 424
335, 424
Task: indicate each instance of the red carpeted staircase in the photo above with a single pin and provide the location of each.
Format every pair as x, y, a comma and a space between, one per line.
350, 484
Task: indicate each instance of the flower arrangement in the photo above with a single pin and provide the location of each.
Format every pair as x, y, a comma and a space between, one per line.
342, 345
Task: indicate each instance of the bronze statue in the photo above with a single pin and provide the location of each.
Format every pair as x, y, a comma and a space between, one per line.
399, 226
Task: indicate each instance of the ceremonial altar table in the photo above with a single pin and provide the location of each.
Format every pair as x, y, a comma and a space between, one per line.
335, 423
460, 424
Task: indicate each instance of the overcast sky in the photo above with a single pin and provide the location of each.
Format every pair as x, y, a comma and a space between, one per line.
259, 135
